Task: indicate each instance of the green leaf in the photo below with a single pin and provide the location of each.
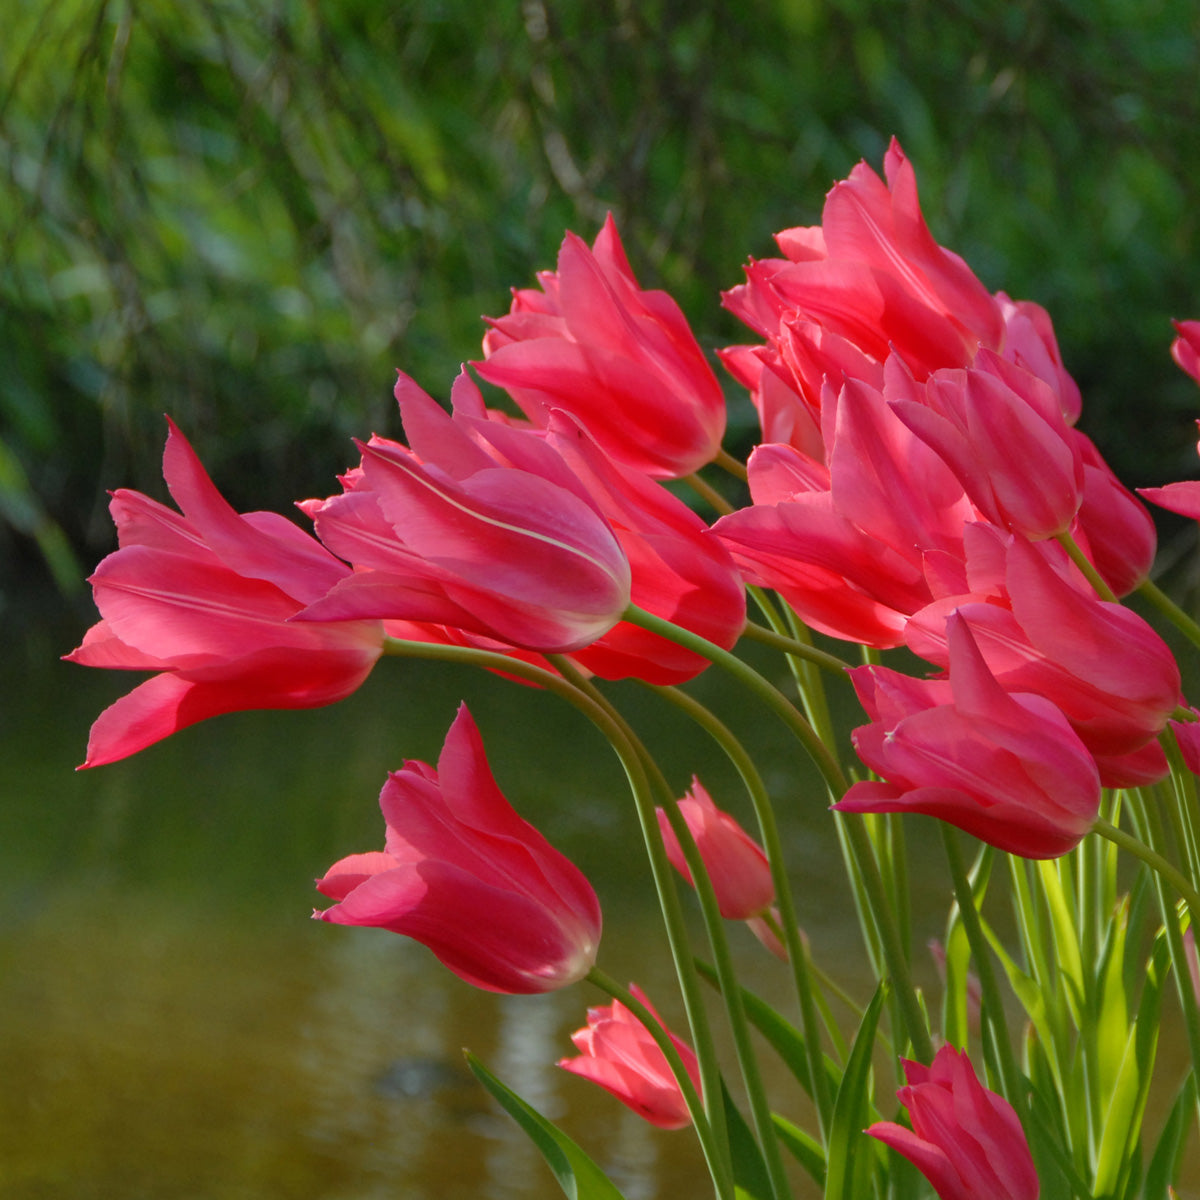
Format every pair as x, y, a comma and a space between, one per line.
750, 1175
1066, 937
806, 1150
1168, 1153
1123, 1120
577, 1174
785, 1039
849, 1162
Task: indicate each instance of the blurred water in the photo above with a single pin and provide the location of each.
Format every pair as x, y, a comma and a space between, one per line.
173, 1025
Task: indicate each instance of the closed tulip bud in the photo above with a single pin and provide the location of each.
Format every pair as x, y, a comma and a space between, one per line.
965, 1139
619, 1053
463, 874
734, 861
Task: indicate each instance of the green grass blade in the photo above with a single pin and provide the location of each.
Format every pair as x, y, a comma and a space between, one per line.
577, 1174
850, 1160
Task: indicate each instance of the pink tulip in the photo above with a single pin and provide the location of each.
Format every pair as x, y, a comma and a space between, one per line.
965, 1139
1040, 628
679, 570
463, 874
848, 544
1001, 432
1029, 342
1006, 768
621, 359
619, 1054
1187, 734
1185, 349
873, 282
474, 524
205, 599
873, 275
736, 864
1112, 528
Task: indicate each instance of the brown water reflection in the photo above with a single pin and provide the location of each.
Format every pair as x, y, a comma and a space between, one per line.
173, 1026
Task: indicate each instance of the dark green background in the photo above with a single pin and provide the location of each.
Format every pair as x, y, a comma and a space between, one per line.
249, 214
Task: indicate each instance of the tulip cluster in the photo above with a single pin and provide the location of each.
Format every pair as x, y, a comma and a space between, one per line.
920, 483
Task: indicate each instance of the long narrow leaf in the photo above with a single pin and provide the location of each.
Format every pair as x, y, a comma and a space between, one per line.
804, 1148
577, 1174
849, 1160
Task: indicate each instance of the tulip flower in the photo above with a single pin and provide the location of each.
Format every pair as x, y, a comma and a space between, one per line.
736, 864
206, 600
494, 536
1008, 769
1040, 628
1029, 342
1001, 432
619, 1054
965, 1139
872, 280
463, 874
848, 544
873, 275
679, 570
622, 360
1113, 529
1185, 349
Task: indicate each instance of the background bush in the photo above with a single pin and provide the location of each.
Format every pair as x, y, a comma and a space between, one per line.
249, 214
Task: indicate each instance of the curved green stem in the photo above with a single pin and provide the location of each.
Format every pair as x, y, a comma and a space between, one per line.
860, 841
1155, 861
727, 462
1169, 609
792, 939
779, 641
1090, 573
766, 691
715, 926
709, 494
662, 1039
711, 1129
993, 1005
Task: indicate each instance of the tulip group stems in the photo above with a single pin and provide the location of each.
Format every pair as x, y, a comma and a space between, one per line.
790, 929
993, 1005
789, 645
715, 927
708, 1117
860, 842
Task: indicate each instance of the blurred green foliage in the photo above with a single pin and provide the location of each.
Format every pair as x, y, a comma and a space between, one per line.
248, 214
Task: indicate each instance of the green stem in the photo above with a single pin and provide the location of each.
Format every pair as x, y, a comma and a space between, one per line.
993, 1005
727, 462
1169, 609
662, 1039
711, 1131
1143, 815
715, 926
1090, 573
889, 936
791, 937
788, 645
1155, 861
747, 675
860, 841
708, 494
